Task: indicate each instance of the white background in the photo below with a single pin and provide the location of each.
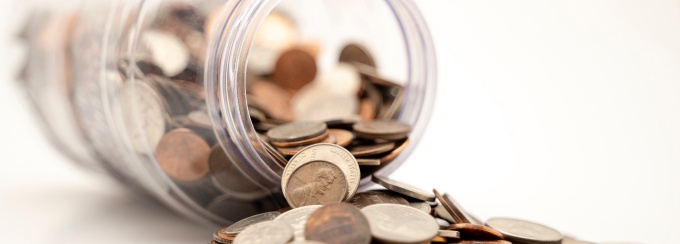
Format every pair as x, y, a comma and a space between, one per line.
562, 112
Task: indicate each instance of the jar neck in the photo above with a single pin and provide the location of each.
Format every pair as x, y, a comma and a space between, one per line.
226, 75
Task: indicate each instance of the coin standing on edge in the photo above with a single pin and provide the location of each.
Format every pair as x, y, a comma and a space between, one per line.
393, 223
316, 183
403, 188
454, 210
338, 223
524, 231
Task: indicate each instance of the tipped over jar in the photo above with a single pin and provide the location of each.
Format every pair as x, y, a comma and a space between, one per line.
201, 104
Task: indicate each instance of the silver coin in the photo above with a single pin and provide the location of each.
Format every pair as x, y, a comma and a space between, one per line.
241, 225
167, 51
441, 212
442, 223
368, 162
422, 206
524, 231
269, 232
403, 188
143, 114
569, 240
305, 242
449, 234
317, 102
395, 223
296, 131
297, 218
328, 153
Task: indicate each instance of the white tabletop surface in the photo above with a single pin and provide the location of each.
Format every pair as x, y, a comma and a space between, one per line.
564, 112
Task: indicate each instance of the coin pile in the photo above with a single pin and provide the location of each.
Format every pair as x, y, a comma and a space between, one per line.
399, 213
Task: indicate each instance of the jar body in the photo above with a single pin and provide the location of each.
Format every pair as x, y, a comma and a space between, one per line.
131, 88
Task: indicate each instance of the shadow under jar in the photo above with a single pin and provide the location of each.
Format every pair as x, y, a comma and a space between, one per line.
175, 98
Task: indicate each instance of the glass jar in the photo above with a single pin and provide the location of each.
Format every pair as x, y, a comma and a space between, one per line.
130, 87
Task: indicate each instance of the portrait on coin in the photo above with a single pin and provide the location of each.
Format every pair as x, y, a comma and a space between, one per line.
308, 193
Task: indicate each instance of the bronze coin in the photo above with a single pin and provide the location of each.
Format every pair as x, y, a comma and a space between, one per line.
275, 154
343, 137
396, 152
338, 223
476, 232
295, 68
316, 183
274, 99
183, 155
363, 199
319, 139
382, 129
453, 208
367, 109
370, 150
356, 53
290, 151
296, 131
439, 239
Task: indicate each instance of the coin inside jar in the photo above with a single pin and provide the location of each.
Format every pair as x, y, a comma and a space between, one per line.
316, 183
372, 149
338, 223
382, 129
295, 68
296, 131
183, 155
356, 53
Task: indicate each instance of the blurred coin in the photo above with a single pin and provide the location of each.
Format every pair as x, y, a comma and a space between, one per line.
296, 131
220, 236
441, 212
569, 240
295, 68
382, 129
449, 234
323, 138
338, 223
483, 242
367, 109
345, 123
316, 183
402, 188
274, 99
393, 223
275, 154
277, 32
298, 218
229, 179
290, 151
396, 152
328, 153
342, 137
356, 53
524, 231
241, 225
368, 162
231, 209
454, 210
363, 199
183, 155
371, 149
422, 206
343, 78
270, 232
476, 232
167, 51
143, 114
318, 102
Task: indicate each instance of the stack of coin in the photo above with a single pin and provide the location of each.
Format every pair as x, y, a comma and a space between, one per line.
399, 213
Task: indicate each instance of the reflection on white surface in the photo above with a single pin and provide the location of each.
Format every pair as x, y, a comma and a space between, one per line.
562, 112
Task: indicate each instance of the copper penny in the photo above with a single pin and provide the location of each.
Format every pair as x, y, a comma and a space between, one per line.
343, 137
382, 129
355, 53
453, 208
290, 151
338, 223
370, 150
476, 232
439, 239
316, 183
319, 139
183, 155
363, 199
367, 109
295, 68
296, 131
274, 99
396, 152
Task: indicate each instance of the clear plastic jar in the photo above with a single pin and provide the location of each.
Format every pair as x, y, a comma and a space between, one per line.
85, 64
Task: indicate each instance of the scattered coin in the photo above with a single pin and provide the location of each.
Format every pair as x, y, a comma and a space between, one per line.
456, 213
393, 223
449, 234
241, 225
422, 206
382, 129
441, 212
298, 218
338, 223
273, 232
361, 200
524, 231
316, 183
183, 155
402, 188
476, 232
